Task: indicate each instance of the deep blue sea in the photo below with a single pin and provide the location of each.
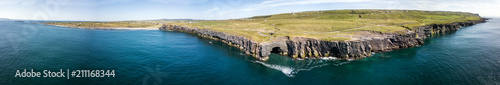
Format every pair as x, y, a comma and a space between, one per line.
468, 56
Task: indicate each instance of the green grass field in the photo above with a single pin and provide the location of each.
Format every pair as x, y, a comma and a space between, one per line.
121, 24
333, 25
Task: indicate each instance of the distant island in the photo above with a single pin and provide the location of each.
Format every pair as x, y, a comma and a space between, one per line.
341, 34
5, 19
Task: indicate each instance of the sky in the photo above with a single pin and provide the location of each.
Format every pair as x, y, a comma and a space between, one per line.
119, 10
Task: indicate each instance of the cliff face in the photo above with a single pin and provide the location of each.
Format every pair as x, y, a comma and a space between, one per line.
301, 47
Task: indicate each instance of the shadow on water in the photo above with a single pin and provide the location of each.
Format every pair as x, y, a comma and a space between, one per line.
284, 64
154, 57
420, 64
291, 67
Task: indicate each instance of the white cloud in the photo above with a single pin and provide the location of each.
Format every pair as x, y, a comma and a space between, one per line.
213, 9
16, 2
276, 3
180, 1
482, 7
63, 2
92, 2
436, 4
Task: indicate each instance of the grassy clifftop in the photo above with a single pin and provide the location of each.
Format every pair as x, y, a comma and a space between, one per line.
333, 25
114, 24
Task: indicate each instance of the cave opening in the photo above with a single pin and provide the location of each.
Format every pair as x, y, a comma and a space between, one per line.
277, 50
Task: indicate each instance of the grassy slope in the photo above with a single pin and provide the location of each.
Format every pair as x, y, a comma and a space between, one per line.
334, 25
125, 24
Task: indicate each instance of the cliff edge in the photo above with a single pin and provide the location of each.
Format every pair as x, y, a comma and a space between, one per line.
303, 47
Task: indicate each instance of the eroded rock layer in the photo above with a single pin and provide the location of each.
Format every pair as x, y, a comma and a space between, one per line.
301, 47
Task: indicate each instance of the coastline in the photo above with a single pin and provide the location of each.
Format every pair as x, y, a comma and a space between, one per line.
106, 28
303, 47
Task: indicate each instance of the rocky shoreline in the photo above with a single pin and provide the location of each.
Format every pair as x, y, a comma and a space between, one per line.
104, 28
302, 47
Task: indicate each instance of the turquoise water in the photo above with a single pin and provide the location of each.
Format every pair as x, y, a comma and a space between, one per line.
468, 56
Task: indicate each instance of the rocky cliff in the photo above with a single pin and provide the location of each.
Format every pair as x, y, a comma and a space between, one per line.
301, 47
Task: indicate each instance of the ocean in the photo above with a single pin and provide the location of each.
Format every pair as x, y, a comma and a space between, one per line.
468, 56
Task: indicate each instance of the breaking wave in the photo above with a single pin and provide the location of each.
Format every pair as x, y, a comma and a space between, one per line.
291, 71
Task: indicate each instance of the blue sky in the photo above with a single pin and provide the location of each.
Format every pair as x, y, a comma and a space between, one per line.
117, 10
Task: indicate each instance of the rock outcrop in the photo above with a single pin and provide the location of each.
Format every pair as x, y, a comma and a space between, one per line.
302, 47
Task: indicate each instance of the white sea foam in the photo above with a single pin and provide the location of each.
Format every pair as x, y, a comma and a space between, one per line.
310, 68
286, 70
135, 28
300, 59
342, 63
291, 71
329, 58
